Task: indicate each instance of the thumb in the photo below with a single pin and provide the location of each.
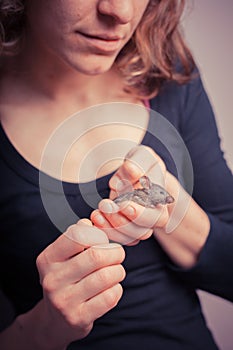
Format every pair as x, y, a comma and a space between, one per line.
74, 240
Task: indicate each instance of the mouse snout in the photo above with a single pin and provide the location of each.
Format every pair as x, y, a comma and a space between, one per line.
169, 199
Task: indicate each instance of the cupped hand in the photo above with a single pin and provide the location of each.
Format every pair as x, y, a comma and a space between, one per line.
129, 222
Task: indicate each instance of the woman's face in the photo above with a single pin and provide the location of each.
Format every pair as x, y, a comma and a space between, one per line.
85, 34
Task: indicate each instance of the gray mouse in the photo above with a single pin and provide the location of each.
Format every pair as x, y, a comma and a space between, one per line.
149, 196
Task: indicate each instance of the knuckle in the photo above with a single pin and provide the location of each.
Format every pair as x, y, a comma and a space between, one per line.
96, 257
112, 274
103, 276
41, 260
49, 283
82, 318
119, 221
99, 258
59, 303
62, 301
74, 320
59, 276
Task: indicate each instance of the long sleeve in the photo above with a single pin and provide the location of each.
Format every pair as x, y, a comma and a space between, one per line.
213, 191
7, 312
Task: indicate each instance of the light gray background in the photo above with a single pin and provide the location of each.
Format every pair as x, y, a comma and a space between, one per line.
208, 26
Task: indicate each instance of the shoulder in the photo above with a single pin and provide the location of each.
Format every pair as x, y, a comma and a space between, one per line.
179, 102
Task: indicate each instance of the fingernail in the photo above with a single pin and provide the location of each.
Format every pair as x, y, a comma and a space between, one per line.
129, 211
84, 221
107, 246
86, 235
116, 184
108, 207
121, 186
99, 220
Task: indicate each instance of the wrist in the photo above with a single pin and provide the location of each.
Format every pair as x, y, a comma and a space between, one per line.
185, 235
34, 329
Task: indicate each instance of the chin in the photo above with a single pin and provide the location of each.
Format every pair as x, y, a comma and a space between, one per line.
92, 71
91, 66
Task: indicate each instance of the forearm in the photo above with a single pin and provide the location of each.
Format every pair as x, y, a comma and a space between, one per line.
187, 230
29, 331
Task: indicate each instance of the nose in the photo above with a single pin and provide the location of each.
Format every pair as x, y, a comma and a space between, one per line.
120, 10
169, 199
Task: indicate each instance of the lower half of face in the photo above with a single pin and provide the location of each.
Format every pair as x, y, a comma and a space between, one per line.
86, 35
88, 54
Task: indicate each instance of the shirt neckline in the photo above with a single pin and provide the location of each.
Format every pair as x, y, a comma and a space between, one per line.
32, 174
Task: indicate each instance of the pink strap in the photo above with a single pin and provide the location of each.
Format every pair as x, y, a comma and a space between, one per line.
146, 103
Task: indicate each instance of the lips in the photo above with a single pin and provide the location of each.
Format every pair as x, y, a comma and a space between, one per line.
104, 42
105, 37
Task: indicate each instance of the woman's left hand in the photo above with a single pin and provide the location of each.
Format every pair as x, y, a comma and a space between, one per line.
129, 222
181, 228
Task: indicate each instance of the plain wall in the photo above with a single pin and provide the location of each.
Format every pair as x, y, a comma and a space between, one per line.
208, 27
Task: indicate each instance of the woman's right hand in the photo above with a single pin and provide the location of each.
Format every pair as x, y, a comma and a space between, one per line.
80, 274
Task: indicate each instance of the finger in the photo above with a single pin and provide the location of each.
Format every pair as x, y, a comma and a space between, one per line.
123, 225
143, 156
120, 222
137, 162
133, 243
147, 235
129, 209
92, 259
113, 234
143, 238
97, 282
145, 217
84, 221
157, 173
101, 303
76, 238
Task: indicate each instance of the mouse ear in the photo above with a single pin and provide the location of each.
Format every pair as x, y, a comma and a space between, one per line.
145, 182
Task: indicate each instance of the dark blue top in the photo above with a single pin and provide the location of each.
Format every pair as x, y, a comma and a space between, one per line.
159, 308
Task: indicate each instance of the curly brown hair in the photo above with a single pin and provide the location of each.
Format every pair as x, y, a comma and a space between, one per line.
155, 54
12, 21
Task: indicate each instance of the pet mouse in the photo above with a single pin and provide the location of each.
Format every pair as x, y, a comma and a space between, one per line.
149, 196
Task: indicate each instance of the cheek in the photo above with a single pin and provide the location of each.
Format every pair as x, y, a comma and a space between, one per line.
49, 17
139, 12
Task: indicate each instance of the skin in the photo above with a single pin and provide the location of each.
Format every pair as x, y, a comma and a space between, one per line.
61, 29
59, 72
79, 273
80, 278
181, 228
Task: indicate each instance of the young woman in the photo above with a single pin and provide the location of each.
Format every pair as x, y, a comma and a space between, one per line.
104, 62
